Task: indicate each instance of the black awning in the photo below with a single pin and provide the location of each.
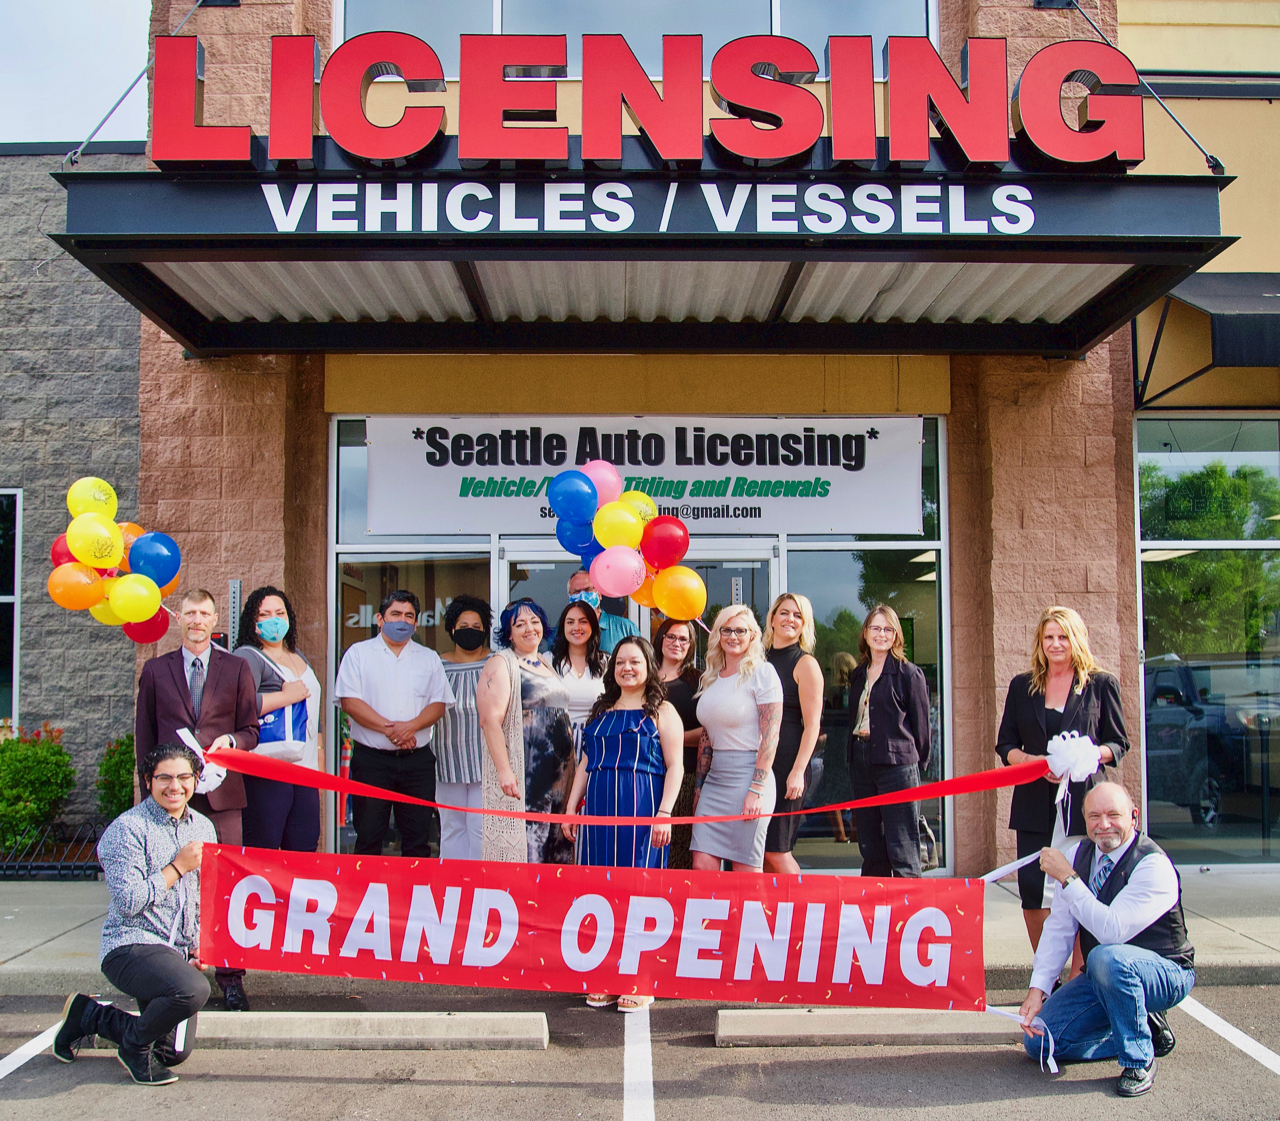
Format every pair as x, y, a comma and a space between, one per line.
941, 260
1244, 314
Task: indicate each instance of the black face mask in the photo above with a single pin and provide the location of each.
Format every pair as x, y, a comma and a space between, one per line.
468, 638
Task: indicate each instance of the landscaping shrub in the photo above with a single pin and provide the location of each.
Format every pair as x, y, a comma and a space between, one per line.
115, 777
36, 776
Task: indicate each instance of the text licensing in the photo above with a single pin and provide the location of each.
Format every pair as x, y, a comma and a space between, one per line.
507, 86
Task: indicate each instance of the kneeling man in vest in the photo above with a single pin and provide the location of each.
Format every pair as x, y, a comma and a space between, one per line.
1123, 895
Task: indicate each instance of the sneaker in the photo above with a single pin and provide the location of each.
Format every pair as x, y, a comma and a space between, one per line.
72, 1030
1162, 1037
143, 1068
1136, 1080
234, 995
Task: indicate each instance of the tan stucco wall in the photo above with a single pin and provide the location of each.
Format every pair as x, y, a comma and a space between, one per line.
1239, 35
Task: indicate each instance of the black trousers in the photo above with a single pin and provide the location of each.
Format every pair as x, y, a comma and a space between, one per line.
888, 836
168, 989
280, 815
1031, 876
413, 774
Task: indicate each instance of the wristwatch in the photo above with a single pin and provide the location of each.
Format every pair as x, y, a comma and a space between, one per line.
1068, 881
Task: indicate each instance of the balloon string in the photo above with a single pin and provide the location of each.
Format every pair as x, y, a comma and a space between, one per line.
703, 625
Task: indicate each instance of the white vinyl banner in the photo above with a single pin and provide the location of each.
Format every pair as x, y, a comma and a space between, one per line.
719, 474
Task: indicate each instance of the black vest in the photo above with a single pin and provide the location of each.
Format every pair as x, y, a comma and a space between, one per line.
1167, 936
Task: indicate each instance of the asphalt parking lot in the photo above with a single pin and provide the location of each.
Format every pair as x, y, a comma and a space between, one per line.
583, 1073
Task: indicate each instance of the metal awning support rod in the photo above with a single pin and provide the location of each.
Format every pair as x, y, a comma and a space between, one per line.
1214, 164
1178, 385
1155, 347
73, 156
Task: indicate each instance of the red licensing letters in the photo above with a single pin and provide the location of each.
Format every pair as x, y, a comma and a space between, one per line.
761, 80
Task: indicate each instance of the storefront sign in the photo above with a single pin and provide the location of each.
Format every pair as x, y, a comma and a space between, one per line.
563, 928
507, 85
720, 474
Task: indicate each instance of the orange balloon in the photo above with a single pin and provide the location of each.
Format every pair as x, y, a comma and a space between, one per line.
680, 593
131, 531
643, 595
75, 586
169, 588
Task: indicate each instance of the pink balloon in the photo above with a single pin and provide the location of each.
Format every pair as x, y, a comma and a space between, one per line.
606, 478
618, 571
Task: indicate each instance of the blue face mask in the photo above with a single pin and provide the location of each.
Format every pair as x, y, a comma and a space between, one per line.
592, 599
273, 630
397, 630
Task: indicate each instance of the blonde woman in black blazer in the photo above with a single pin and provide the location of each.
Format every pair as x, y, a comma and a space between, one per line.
1066, 691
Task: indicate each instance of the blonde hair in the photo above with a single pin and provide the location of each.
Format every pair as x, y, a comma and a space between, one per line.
842, 666
751, 661
808, 632
899, 647
1081, 656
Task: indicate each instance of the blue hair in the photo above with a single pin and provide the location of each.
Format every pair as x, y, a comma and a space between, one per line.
508, 617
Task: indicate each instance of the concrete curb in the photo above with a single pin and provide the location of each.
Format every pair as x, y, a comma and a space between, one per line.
369, 1031
845, 1027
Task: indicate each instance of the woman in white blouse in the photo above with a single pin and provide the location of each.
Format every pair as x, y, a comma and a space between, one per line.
576, 657
740, 710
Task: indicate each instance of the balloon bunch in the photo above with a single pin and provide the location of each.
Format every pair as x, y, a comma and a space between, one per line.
118, 572
627, 546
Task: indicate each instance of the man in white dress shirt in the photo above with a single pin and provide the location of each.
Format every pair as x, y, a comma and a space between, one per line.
394, 690
1122, 894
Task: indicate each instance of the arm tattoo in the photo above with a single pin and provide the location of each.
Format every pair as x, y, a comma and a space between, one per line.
704, 760
770, 725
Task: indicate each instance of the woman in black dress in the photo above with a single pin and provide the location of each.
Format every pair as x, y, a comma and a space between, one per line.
789, 638
676, 648
1066, 691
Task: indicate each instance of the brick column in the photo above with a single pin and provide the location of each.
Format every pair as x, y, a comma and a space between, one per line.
1041, 483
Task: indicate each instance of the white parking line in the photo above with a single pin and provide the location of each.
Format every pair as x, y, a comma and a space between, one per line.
1232, 1035
28, 1050
637, 1069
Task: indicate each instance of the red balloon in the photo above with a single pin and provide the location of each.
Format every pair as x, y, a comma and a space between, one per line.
665, 541
60, 554
149, 630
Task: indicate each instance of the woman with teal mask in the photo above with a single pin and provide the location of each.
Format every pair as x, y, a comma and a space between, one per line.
280, 815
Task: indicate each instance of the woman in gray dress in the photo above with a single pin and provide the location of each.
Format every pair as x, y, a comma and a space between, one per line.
459, 746
740, 710
528, 766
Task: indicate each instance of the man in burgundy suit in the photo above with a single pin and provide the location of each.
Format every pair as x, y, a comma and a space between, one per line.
211, 692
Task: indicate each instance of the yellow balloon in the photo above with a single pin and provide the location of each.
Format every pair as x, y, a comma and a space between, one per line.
103, 613
679, 592
135, 598
92, 495
641, 503
95, 540
617, 523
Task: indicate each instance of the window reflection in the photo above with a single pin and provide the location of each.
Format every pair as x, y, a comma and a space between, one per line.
812, 21
439, 24
1211, 685
843, 587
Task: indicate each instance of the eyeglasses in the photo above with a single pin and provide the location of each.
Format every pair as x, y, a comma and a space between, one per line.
880, 630
734, 632
186, 780
679, 639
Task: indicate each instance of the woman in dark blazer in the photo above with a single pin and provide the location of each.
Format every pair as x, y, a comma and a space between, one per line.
1066, 691
888, 744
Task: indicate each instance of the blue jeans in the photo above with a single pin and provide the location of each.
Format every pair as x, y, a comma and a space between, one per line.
1102, 1014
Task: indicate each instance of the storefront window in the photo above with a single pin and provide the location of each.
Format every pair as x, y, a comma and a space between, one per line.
1211, 636
439, 24
812, 21
9, 552
844, 587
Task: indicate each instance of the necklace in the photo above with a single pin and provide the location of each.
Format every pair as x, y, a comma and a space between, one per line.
534, 662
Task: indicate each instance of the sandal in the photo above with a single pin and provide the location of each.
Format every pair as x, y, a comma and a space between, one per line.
599, 1000
634, 1003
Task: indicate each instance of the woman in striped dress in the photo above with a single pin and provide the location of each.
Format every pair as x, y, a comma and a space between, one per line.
632, 765
458, 744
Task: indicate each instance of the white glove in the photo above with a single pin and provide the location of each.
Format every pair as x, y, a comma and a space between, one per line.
1073, 756
212, 775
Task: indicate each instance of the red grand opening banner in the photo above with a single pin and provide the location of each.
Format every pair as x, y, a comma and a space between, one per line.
807, 939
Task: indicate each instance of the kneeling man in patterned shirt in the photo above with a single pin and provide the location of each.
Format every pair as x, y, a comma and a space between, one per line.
1122, 894
150, 856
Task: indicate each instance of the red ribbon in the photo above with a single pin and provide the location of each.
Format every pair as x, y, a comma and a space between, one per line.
263, 766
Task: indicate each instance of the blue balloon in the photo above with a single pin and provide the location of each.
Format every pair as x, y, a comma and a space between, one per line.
590, 553
155, 555
574, 537
573, 497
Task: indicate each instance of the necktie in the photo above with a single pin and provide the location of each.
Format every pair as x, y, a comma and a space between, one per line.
197, 686
1100, 876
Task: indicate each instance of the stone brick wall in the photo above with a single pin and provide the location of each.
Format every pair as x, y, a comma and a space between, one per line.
68, 407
